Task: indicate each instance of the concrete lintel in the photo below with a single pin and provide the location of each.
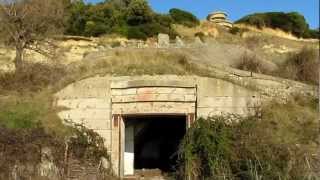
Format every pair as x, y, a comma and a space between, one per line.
151, 83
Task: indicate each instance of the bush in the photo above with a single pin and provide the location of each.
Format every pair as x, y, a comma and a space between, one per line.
184, 18
250, 62
134, 19
236, 30
20, 115
279, 144
313, 33
33, 77
136, 33
292, 22
21, 152
87, 144
302, 66
201, 35
205, 148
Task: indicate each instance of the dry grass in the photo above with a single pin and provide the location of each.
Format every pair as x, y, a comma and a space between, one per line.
302, 66
33, 77
250, 62
269, 31
139, 62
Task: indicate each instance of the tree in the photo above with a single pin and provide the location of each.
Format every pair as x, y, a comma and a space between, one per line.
28, 24
139, 12
184, 17
292, 22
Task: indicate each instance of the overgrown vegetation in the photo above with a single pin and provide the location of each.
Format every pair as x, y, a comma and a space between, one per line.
292, 22
29, 25
21, 150
302, 66
29, 124
250, 62
132, 19
237, 30
32, 78
141, 62
184, 18
281, 143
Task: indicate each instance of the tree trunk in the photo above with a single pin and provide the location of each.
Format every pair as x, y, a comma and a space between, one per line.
18, 59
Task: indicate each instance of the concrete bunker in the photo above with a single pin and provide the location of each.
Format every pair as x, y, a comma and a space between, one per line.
152, 141
125, 110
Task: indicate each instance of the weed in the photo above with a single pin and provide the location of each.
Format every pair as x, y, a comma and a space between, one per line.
205, 149
302, 66
33, 77
250, 62
278, 145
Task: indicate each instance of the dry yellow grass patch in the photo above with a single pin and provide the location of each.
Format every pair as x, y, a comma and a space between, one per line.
270, 31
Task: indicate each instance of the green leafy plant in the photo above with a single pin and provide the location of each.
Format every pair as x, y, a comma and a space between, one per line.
205, 148
292, 22
277, 143
183, 17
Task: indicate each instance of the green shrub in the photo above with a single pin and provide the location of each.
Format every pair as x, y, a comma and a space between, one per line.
312, 33
290, 22
205, 148
20, 115
134, 19
138, 12
87, 144
136, 33
278, 144
184, 18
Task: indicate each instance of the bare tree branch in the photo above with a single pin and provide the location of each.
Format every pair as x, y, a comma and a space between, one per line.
27, 24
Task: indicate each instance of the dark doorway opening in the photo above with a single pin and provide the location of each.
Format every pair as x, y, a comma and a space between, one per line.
156, 140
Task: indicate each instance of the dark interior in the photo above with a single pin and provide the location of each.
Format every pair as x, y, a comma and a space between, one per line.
156, 140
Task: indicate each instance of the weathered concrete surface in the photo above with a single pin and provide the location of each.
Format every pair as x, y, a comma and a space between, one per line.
95, 101
99, 103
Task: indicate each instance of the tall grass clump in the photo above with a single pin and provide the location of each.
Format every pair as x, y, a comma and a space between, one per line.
302, 66
281, 143
250, 62
33, 77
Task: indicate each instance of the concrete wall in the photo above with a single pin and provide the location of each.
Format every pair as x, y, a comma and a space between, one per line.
88, 103
97, 102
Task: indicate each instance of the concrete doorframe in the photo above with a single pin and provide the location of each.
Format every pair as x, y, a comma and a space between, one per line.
118, 126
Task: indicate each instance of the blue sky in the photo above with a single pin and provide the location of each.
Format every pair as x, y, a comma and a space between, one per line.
239, 8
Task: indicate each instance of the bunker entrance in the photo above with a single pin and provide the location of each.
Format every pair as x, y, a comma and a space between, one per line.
151, 142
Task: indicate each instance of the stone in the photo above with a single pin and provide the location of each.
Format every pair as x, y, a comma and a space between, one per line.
179, 42
163, 40
105, 163
47, 168
198, 41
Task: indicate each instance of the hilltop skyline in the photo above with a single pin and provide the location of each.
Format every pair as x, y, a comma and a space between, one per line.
237, 9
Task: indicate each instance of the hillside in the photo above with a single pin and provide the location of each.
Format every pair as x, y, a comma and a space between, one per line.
239, 102
219, 48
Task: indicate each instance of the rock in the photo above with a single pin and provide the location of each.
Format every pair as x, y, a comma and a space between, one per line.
198, 41
47, 168
179, 42
163, 40
123, 44
105, 163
